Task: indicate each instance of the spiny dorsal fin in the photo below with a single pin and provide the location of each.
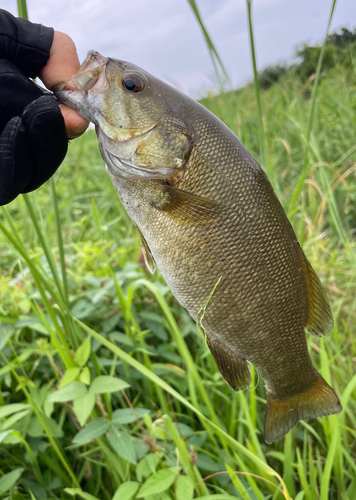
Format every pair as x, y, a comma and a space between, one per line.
149, 260
234, 369
320, 319
186, 206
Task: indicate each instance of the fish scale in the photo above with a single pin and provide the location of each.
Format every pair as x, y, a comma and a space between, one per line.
210, 221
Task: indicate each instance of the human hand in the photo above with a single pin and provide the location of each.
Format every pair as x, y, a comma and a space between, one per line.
61, 66
34, 130
33, 140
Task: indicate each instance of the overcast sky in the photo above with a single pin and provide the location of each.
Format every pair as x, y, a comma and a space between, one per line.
163, 37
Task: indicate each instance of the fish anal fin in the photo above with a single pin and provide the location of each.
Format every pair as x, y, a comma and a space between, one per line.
149, 260
282, 414
320, 319
233, 368
187, 207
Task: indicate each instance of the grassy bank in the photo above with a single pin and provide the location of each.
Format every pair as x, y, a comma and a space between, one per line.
77, 305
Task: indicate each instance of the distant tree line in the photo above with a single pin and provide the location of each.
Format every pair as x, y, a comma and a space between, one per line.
340, 49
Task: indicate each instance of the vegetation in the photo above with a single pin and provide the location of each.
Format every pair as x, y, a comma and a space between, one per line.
340, 49
107, 388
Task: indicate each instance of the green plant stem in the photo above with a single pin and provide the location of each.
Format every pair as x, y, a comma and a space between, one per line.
42, 421
257, 88
60, 242
157, 380
220, 71
306, 169
22, 9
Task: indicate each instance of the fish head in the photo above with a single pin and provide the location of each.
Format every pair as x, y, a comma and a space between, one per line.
140, 136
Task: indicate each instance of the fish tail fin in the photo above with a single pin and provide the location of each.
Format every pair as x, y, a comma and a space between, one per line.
281, 415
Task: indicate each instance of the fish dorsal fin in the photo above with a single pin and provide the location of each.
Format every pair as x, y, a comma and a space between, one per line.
186, 206
320, 319
147, 255
234, 369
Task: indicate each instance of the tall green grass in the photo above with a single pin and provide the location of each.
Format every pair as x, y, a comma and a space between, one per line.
220, 71
107, 389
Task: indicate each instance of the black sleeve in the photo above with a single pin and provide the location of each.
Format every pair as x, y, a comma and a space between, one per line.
26, 44
33, 138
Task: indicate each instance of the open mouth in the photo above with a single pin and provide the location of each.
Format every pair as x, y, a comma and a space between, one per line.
90, 72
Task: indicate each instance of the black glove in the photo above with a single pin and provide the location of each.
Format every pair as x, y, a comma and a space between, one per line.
33, 140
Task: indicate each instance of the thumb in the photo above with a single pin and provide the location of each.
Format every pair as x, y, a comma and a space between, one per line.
75, 124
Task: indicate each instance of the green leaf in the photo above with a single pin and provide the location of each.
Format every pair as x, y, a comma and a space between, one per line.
85, 376
300, 495
7, 481
207, 463
105, 383
83, 406
126, 415
80, 493
184, 488
159, 496
48, 407
69, 376
147, 466
126, 491
32, 323
6, 332
157, 483
12, 408
68, 393
183, 429
3, 435
83, 352
95, 429
11, 421
32, 496
121, 338
122, 444
36, 429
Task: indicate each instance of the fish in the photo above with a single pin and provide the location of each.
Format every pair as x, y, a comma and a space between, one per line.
211, 223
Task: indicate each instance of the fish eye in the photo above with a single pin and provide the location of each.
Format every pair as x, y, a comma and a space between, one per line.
133, 83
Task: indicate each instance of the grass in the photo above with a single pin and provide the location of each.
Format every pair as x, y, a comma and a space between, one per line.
107, 388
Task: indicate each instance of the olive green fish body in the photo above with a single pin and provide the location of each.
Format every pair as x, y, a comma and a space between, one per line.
212, 224
259, 308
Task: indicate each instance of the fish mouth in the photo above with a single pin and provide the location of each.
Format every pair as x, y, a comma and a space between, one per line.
90, 77
87, 76
79, 93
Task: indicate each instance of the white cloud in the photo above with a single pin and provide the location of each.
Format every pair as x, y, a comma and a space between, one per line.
163, 37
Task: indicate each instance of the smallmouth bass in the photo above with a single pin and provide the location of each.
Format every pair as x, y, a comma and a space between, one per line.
209, 220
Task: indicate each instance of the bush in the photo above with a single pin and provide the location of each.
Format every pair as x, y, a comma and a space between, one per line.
271, 75
338, 50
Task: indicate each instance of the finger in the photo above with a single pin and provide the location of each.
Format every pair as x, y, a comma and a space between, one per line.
75, 124
63, 62
45, 127
17, 91
16, 164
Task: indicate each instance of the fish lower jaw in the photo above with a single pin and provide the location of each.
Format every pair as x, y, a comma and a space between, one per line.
121, 135
125, 169
65, 87
71, 97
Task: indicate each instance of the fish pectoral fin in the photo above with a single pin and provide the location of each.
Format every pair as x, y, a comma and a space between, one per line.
186, 206
234, 369
320, 319
282, 414
147, 255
